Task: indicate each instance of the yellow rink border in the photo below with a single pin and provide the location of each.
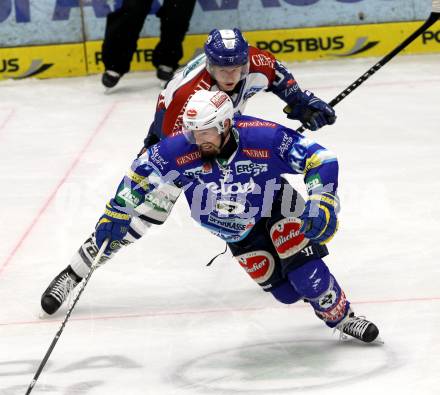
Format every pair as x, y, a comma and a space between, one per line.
288, 45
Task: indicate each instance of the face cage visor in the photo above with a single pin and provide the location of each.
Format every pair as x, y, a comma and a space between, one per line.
189, 133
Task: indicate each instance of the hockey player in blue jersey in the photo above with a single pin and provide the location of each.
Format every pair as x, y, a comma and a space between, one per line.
230, 171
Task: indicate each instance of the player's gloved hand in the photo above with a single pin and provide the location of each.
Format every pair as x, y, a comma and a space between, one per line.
313, 112
319, 219
113, 225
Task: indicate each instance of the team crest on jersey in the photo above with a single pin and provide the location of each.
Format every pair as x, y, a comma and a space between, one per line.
258, 264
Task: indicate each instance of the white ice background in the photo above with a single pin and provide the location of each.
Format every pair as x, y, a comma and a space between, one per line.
155, 320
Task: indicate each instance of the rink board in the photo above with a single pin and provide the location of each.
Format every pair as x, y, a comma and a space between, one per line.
78, 59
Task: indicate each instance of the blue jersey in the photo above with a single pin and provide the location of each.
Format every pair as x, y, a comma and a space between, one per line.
229, 197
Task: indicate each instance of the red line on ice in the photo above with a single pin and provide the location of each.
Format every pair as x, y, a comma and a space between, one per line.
154, 314
7, 119
54, 192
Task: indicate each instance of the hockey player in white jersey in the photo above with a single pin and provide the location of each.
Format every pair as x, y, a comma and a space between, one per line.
231, 65
230, 168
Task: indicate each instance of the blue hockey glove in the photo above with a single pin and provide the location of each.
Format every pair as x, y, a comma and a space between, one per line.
113, 225
320, 221
313, 112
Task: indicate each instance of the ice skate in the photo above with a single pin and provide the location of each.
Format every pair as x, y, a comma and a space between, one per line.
164, 74
359, 328
110, 78
58, 291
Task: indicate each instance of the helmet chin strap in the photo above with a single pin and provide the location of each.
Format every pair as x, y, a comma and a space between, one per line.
223, 136
222, 140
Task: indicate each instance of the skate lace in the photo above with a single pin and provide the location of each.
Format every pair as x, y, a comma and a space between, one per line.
62, 287
353, 326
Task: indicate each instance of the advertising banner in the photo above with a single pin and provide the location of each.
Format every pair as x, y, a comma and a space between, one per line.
59, 38
288, 45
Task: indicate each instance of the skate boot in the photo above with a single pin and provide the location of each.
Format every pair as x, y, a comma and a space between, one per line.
110, 78
164, 73
358, 327
58, 290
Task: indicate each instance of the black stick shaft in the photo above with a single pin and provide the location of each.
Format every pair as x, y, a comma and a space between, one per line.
66, 318
429, 22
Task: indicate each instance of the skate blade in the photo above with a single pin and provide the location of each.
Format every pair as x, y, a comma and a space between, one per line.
109, 91
43, 315
378, 340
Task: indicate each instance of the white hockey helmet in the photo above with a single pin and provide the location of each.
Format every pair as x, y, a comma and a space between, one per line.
206, 109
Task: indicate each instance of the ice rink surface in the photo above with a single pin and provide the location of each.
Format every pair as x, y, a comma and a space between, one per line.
156, 320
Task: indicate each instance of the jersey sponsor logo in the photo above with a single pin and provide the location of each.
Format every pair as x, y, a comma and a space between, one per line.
285, 144
178, 124
287, 238
260, 265
249, 167
229, 207
262, 60
206, 168
155, 157
232, 188
256, 153
188, 158
252, 91
196, 62
313, 182
159, 201
256, 124
129, 196
234, 224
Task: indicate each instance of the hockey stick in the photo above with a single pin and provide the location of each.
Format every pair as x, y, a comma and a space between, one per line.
433, 17
63, 324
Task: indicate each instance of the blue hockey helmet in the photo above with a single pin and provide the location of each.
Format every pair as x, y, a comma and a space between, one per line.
226, 48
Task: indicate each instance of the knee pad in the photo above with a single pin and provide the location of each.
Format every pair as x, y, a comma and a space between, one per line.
285, 293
